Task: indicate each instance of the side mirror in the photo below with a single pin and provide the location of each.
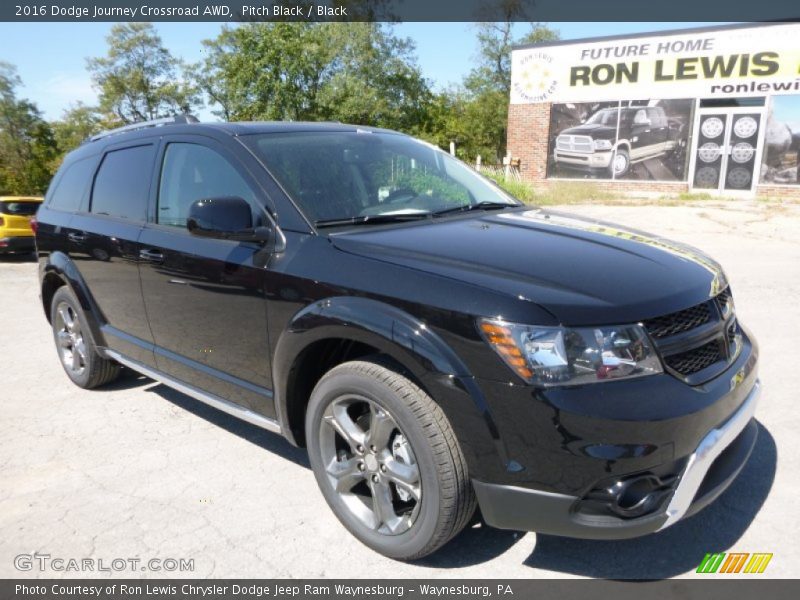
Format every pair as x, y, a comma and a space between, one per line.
228, 218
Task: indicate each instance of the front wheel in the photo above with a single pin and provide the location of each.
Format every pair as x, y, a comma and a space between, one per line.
620, 163
387, 460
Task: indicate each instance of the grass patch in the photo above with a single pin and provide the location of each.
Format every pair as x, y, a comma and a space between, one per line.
562, 192
692, 196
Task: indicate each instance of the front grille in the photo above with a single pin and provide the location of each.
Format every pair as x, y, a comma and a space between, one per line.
680, 321
685, 353
574, 143
724, 301
696, 359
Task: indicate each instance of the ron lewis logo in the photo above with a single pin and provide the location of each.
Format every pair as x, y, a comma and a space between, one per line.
535, 80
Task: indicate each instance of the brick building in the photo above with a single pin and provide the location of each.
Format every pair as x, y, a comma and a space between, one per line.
713, 110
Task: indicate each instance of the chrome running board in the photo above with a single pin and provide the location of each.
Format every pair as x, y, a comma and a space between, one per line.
213, 400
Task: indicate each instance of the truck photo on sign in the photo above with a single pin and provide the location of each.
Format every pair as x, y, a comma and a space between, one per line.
641, 140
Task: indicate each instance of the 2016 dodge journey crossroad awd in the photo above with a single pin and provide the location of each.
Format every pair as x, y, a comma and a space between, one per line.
432, 342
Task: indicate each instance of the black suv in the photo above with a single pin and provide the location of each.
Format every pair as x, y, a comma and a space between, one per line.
432, 342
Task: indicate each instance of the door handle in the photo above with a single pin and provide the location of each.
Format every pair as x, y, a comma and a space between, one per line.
76, 237
151, 256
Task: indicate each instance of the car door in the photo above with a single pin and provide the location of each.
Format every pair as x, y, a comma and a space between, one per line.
102, 238
641, 135
658, 130
205, 297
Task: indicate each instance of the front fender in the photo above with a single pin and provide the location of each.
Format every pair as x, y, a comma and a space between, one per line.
404, 338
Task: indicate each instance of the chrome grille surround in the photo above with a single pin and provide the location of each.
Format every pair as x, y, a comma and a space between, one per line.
575, 143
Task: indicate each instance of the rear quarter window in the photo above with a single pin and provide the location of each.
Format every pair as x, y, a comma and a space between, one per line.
122, 183
72, 186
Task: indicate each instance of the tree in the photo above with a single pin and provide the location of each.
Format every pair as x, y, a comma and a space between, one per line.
78, 123
355, 72
488, 85
27, 146
139, 79
373, 79
269, 71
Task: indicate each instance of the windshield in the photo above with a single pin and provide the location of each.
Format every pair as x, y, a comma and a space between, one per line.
362, 175
606, 116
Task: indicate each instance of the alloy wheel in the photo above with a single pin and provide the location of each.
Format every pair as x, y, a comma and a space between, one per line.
620, 163
370, 464
71, 346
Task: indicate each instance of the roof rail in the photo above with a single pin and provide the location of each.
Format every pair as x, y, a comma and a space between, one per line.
175, 120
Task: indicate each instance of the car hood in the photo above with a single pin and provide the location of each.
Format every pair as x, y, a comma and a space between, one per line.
594, 129
582, 271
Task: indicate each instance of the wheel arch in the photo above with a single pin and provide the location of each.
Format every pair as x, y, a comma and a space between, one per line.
61, 271
623, 144
339, 329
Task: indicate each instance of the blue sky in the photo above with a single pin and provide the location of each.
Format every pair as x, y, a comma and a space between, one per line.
50, 57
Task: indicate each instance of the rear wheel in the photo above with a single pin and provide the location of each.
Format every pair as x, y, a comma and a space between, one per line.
387, 460
76, 349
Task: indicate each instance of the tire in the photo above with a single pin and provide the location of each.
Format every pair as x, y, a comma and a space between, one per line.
618, 168
380, 500
76, 349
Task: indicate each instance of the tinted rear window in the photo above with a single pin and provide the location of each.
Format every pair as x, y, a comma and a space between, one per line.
73, 185
122, 183
19, 207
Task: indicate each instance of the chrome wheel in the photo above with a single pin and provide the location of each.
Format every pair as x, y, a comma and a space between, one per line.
71, 346
370, 464
620, 163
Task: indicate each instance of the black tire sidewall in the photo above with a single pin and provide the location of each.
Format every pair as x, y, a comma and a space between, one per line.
424, 529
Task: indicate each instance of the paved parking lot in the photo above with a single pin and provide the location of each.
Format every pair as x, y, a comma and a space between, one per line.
138, 470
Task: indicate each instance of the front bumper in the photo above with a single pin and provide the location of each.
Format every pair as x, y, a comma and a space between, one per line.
584, 160
23, 243
708, 472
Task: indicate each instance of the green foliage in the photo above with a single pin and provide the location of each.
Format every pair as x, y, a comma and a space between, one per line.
139, 79
78, 123
27, 147
429, 184
518, 189
356, 72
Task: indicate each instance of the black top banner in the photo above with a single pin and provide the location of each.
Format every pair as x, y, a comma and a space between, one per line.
399, 10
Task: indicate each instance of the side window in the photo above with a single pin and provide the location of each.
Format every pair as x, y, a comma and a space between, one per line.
656, 117
191, 172
122, 183
71, 189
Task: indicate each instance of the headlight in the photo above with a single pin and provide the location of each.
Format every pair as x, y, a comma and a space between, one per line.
565, 356
602, 145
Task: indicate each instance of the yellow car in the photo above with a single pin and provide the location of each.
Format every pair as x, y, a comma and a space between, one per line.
16, 233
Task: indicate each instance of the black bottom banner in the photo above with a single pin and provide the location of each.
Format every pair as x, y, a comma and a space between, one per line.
380, 589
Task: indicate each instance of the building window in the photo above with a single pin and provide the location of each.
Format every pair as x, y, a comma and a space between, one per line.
782, 142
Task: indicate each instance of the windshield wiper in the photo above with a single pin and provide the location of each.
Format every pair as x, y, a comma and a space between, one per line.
484, 205
372, 219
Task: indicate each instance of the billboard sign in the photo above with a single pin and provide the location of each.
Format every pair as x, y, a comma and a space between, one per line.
748, 61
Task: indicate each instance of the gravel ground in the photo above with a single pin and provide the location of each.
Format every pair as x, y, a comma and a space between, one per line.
138, 470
